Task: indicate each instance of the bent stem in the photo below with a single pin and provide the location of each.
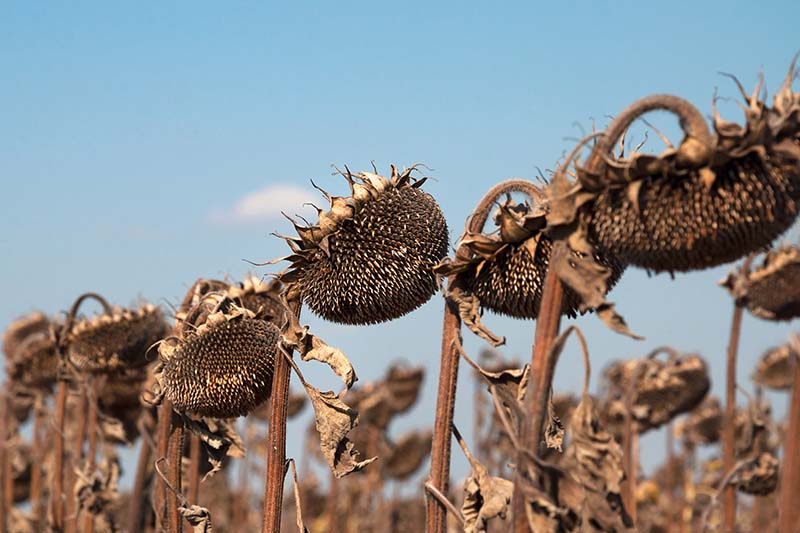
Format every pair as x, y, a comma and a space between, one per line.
276, 440
790, 478
729, 431
542, 368
436, 512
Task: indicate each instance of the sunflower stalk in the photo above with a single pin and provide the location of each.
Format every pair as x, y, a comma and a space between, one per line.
542, 368
436, 521
92, 431
276, 440
790, 481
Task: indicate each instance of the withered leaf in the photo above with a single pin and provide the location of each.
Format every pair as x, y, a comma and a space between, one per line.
334, 419
312, 347
220, 439
469, 311
485, 497
554, 430
198, 517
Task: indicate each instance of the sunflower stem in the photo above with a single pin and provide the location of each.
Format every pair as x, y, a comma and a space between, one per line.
276, 440
729, 431
790, 478
174, 463
91, 430
71, 511
542, 368
36, 466
162, 440
194, 469
57, 496
5, 420
135, 518
436, 519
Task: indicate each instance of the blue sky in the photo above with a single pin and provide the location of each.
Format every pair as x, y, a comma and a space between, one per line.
132, 138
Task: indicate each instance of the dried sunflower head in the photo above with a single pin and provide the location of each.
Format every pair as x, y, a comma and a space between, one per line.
758, 476
369, 258
711, 200
30, 348
116, 340
771, 291
505, 269
262, 298
774, 368
223, 367
704, 423
661, 390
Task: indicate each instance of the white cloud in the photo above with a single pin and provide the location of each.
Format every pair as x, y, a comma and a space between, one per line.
266, 203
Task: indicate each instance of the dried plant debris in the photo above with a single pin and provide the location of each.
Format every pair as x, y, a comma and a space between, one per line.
485, 497
115, 340
596, 461
704, 423
220, 441
774, 368
96, 488
771, 291
369, 258
408, 454
223, 367
261, 297
661, 390
30, 347
758, 476
713, 199
505, 269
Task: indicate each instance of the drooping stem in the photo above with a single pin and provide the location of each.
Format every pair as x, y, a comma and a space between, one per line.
436, 519
729, 431
174, 464
57, 494
276, 440
790, 478
542, 368
194, 469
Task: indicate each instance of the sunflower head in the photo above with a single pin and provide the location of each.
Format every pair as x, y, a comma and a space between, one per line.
369, 258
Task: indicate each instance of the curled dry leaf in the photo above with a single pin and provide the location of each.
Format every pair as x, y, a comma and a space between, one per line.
469, 309
334, 419
96, 489
198, 517
219, 439
485, 497
758, 476
311, 347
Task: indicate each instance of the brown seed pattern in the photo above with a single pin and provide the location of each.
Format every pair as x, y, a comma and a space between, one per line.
224, 370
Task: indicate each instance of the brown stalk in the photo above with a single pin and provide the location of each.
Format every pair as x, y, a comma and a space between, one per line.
36, 466
671, 499
194, 469
71, 512
92, 431
790, 478
57, 494
174, 463
135, 518
436, 515
5, 419
276, 440
729, 431
542, 368
332, 507
162, 442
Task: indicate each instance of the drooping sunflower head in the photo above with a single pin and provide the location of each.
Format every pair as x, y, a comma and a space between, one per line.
369, 258
30, 348
222, 367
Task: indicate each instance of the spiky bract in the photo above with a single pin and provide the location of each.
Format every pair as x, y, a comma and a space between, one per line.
370, 258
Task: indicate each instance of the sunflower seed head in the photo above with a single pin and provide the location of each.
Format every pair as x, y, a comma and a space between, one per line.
370, 257
109, 343
222, 368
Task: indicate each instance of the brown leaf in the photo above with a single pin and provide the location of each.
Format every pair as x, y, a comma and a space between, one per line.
334, 419
469, 310
198, 517
485, 497
312, 347
219, 438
